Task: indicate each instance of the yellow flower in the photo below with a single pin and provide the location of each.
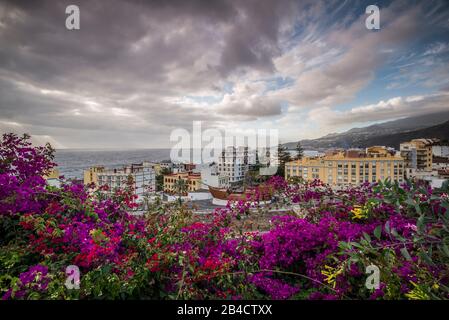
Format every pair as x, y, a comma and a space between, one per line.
417, 293
331, 274
358, 212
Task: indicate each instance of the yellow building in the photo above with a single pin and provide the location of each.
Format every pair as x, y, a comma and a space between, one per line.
192, 181
154, 165
350, 167
91, 175
53, 174
417, 154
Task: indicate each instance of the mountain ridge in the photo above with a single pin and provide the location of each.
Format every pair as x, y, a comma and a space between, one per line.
389, 133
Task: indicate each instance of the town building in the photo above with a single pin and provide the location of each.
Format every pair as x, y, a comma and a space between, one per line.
441, 149
417, 154
440, 163
52, 178
210, 177
142, 178
192, 182
156, 166
434, 178
350, 167
91, 174
182, 167
53, 174
233, 163
166, 164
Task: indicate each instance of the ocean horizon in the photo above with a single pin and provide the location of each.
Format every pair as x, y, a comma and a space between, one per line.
72, 162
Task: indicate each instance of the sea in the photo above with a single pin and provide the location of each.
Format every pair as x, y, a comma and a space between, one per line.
72, 162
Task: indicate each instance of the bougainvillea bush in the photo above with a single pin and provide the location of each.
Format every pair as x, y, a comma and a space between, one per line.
320, 249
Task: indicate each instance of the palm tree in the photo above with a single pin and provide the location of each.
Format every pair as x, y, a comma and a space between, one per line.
181, 188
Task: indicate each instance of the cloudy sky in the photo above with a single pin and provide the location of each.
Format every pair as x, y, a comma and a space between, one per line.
137, 70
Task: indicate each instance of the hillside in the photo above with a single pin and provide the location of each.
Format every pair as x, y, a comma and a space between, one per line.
389, 133
440, 131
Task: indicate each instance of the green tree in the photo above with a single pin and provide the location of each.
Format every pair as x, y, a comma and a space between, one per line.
283, 158
160, 179
299, 151
252, 176
181, 188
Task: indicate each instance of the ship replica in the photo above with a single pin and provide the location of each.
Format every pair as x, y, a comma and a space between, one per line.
261, 194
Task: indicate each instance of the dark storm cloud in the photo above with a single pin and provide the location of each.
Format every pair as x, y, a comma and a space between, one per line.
128, 59
255, 42
39, 47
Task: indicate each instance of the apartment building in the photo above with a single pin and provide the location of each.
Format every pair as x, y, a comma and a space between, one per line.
142, 178
440, 149
192, 181
349, 167
91, 174
233, 163
417, 154
211, 177
156, 166
440, 163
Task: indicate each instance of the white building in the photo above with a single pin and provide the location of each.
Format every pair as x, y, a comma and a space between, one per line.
233, 163
210, 176
441, 150
434, 178
53, 182
166, 164
143, 179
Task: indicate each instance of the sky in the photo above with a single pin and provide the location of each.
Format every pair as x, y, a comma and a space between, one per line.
137, 70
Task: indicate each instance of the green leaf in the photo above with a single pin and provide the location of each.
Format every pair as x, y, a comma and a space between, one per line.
418, 209
387, 227
445, 249
394, 232
378, 232
344, 245
367, 237
406, 255
426, 257
420, 223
